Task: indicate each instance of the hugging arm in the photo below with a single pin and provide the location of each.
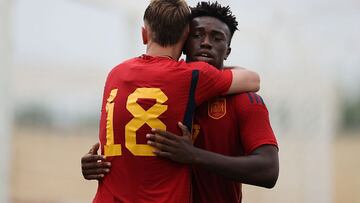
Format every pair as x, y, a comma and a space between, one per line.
260, 168
94, 166
244, 81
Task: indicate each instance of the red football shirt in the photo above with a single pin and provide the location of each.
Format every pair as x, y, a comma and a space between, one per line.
143, 93
232, 126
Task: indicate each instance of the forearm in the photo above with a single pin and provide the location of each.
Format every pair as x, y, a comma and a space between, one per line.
244, 81
255, 169
260, 168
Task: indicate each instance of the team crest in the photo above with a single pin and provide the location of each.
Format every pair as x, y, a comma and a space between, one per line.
217, 108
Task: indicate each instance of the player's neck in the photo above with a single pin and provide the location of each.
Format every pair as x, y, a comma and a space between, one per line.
173, 52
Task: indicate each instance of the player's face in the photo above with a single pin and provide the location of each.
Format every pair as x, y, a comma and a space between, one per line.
208, 41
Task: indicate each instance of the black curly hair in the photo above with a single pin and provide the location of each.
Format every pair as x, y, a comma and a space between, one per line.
216, 10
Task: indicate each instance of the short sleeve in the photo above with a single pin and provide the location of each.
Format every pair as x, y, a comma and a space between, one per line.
211, 82
253, 121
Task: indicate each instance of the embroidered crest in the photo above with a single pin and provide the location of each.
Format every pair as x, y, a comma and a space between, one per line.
217, 108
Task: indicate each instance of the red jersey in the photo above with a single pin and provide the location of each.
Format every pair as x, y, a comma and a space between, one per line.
143, 93
232, 126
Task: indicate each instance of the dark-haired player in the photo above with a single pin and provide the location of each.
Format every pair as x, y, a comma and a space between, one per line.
234, 142
154, 91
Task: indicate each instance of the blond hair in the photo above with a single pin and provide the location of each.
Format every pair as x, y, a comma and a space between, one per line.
167, 20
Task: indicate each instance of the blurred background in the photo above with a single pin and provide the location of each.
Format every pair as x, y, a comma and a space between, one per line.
55, 55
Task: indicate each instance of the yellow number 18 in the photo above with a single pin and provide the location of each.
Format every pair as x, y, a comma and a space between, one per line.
141, 117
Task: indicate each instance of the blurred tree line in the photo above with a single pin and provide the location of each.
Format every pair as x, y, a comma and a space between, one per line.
40, 116
36, 115
351, 115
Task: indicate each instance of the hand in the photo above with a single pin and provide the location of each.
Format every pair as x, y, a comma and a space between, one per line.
173, 147
94, 166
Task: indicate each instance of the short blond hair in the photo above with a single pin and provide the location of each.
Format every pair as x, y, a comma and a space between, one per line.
167, 20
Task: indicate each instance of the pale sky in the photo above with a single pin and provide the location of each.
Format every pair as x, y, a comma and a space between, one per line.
284, 33
63, 49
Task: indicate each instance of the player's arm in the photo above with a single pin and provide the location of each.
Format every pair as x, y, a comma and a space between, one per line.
260, 165
244, 81
214, 82
94, 166
260, 168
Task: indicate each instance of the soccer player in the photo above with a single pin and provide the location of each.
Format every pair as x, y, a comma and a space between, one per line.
154, 91
234, 142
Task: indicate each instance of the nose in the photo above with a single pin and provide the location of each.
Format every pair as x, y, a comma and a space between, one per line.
206, 42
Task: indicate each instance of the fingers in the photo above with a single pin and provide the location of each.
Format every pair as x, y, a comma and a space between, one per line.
185, 131
166, 134
97, 173
94, 149
92, 158
94, 167
160, 139
160, 146
163, 154
94, 177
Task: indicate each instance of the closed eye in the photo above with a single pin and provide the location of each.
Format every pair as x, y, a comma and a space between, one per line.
196, 35
218, 39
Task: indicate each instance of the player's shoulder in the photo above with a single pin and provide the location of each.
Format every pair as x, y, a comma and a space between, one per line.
129, 61
249, 99
113, 71
125, 63
200, 65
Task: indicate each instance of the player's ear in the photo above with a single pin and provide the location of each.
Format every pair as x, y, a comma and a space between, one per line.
144, 34
227, 53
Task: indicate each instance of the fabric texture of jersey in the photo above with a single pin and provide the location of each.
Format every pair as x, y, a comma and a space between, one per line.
232, 126
143, 93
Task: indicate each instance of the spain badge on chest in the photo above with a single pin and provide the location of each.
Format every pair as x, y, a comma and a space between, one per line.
217, 108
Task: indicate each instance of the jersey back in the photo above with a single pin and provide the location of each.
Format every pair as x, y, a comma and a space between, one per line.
144, 93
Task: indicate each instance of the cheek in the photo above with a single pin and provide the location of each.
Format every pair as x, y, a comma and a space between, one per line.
222, 53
